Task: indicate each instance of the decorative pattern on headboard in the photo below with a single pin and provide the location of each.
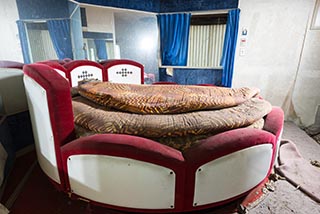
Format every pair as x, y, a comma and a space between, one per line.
83, 69
123, 71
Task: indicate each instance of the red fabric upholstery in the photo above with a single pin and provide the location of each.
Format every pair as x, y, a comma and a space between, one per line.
59, 104
54, 65
274, 124
138, 148
274, 121
164, 83
61, 62
109, 63
133, 147
217, 146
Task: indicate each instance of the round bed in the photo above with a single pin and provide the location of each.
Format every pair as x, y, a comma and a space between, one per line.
139, 174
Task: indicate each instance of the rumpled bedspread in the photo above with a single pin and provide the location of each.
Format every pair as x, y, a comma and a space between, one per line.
164, 99
175, 115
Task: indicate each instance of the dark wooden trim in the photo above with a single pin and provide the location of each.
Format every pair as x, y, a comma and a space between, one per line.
212, 19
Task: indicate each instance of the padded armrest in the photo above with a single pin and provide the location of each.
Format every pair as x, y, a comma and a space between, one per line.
274, 121
127, 146
225, 143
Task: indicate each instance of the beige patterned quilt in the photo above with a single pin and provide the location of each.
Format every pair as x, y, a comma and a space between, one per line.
164, 99
174, 115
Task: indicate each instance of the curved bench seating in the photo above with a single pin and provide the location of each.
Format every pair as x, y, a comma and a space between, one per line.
132, 173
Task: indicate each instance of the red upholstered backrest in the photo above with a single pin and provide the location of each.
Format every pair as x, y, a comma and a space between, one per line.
274, 121
56, 92
56, 66
123, 71
59, 100
79, 70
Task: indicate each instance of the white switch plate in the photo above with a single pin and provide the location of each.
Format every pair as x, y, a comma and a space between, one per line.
242, 52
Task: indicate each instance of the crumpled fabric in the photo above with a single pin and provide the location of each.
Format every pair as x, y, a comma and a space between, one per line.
164, 99
100, 119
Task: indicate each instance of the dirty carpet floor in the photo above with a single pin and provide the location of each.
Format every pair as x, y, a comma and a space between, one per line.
286, 198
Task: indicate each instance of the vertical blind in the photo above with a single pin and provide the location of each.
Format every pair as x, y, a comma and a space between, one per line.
205, 45
41, 45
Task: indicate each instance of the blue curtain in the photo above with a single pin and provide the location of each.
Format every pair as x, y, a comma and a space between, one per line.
60, 34
229, 47
174, 35
24, 41
101, 48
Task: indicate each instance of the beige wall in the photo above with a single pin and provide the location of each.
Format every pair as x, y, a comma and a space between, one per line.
99, 19
279, 55
9, 37
306, 93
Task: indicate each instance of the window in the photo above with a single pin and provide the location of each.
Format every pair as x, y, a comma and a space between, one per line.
41, 47
90, 49
89, 46
206, 39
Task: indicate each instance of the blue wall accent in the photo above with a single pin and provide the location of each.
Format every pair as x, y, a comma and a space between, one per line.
163, 6
71, 7
42, 9
192, 76
191, 5
97, 35
163, 75
45, 9
144, 5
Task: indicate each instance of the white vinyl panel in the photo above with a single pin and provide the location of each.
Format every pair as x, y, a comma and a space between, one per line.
231, 175
124, 73
121, 181
41, 125
61, 72
278, 146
